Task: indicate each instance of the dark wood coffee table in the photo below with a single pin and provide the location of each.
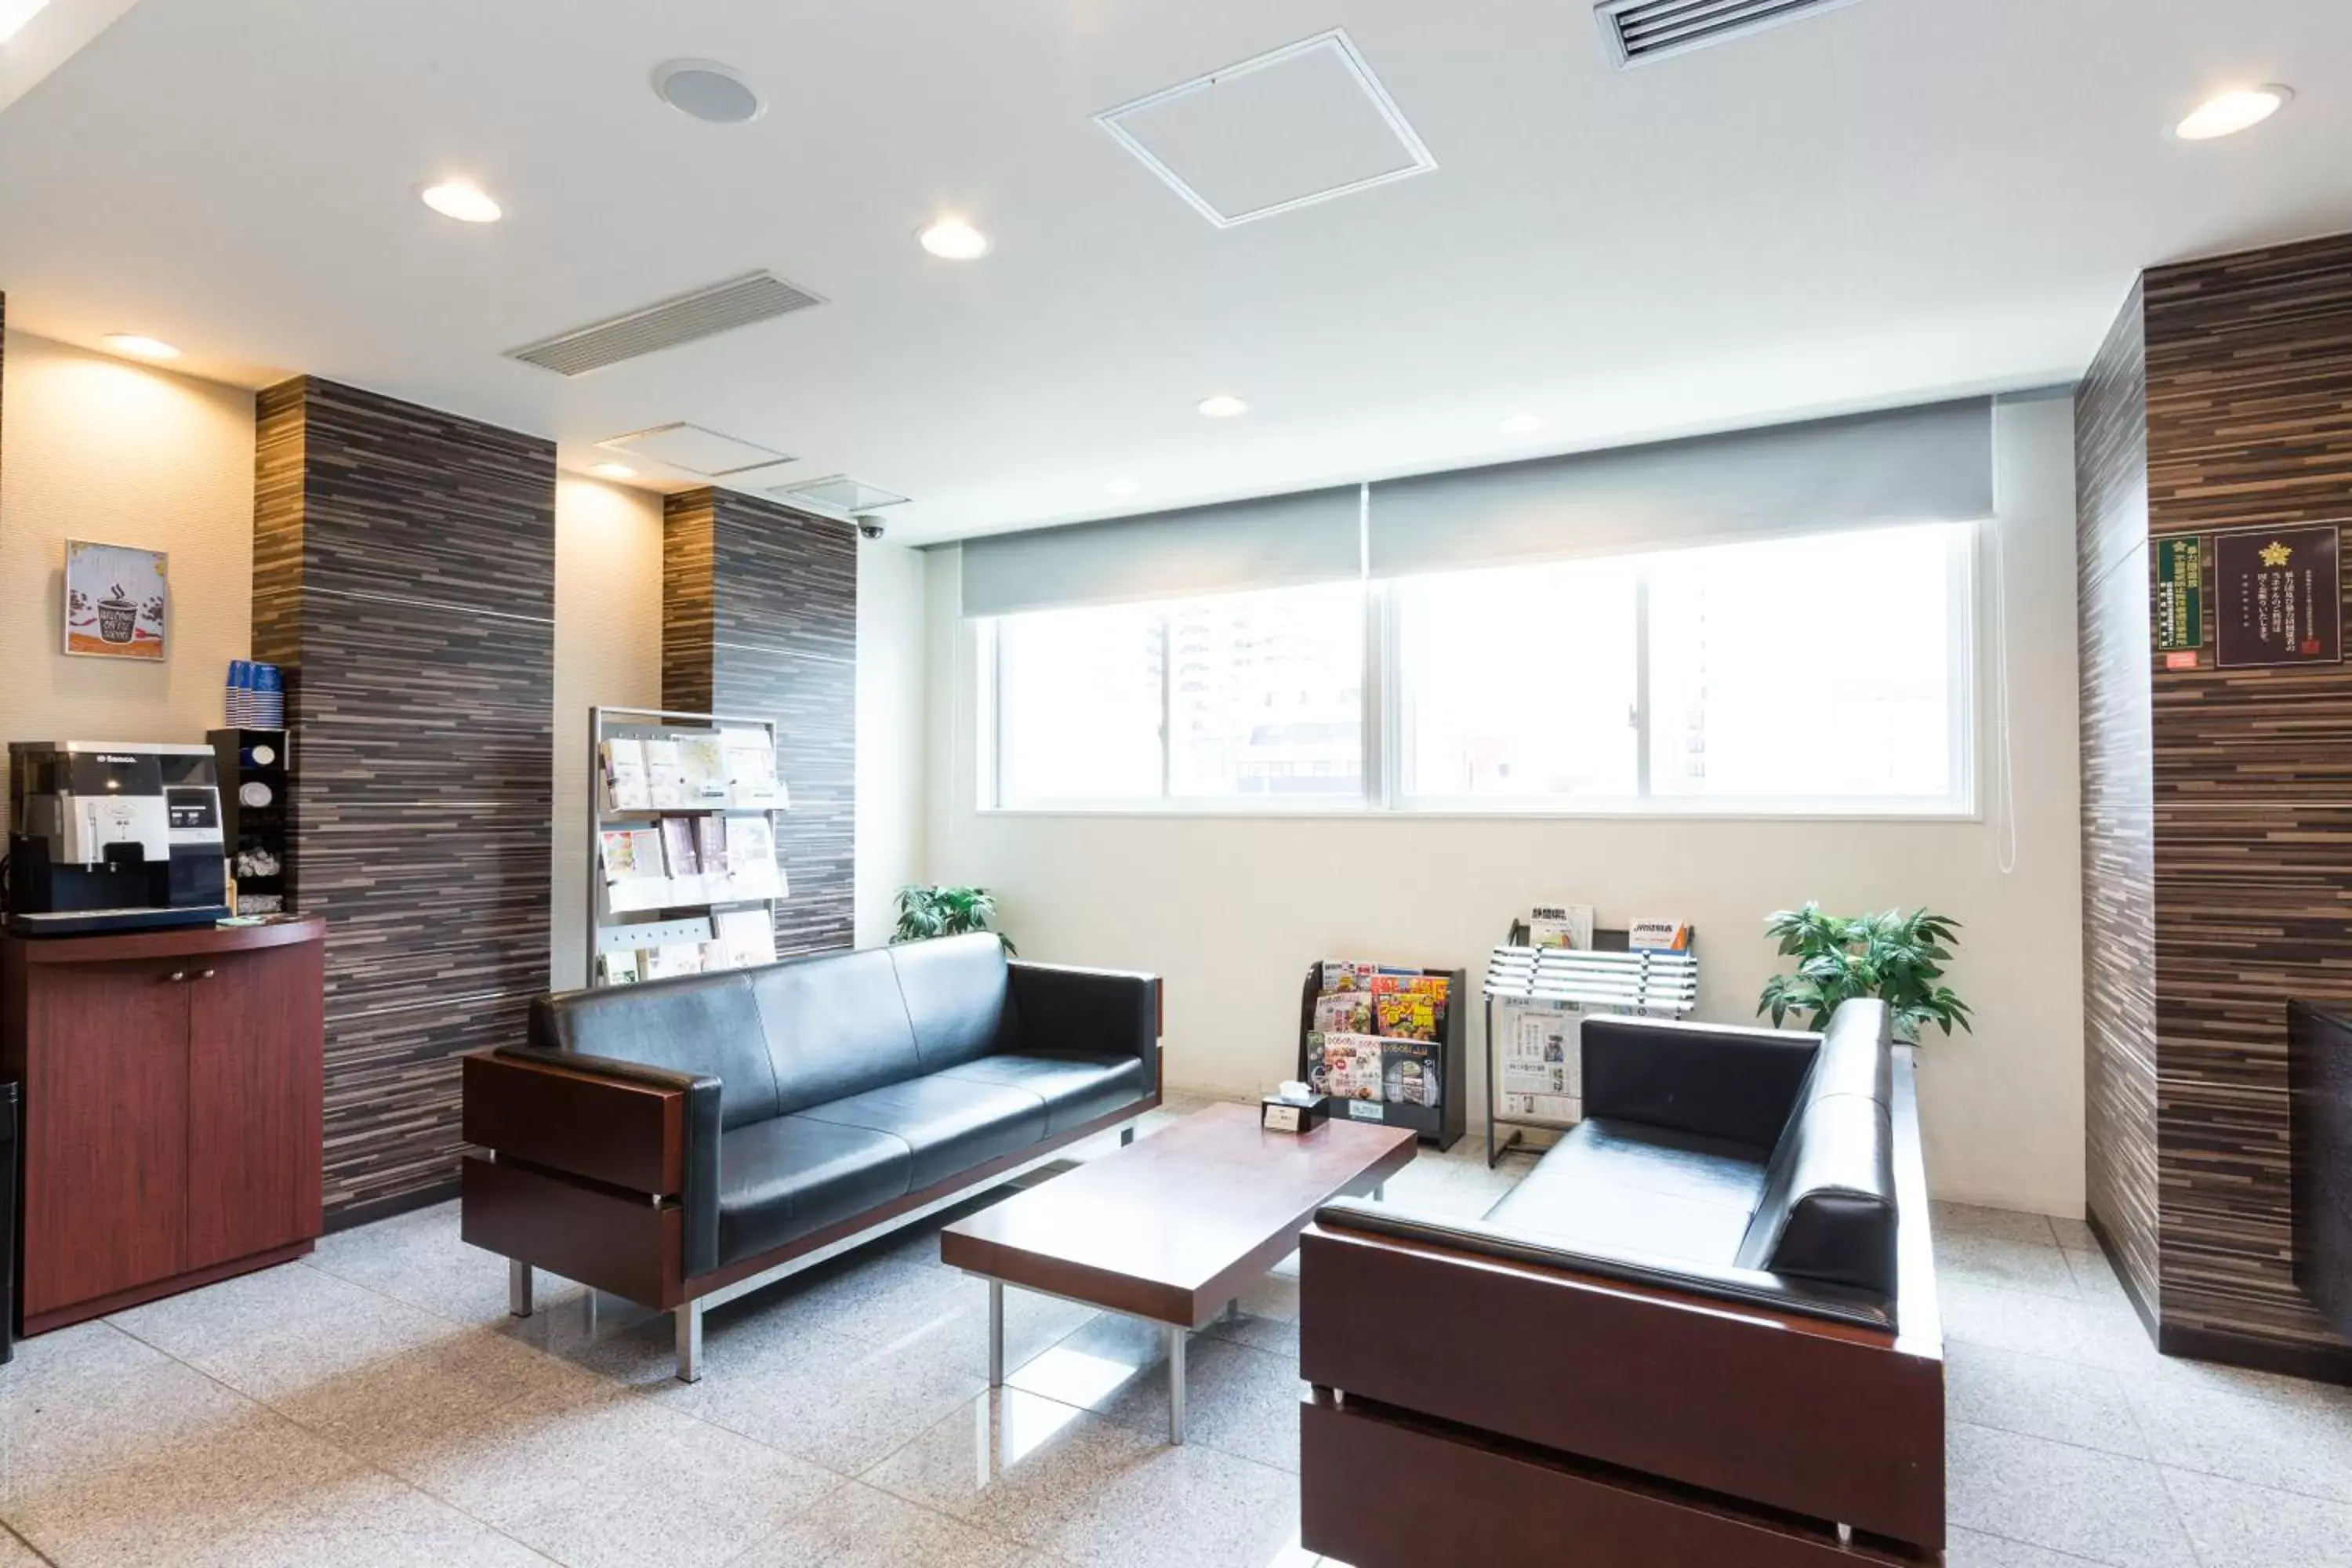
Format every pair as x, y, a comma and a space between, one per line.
1172, 1227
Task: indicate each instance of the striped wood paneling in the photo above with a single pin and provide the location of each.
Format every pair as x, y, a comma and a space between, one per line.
2248, 423
760, 618
403, 574
2118, 860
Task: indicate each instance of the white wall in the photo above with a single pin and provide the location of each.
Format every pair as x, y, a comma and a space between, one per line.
608, 624
96, 448
891, 739
1230, 910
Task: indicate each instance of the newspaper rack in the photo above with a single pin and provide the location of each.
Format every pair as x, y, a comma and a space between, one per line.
1610, 976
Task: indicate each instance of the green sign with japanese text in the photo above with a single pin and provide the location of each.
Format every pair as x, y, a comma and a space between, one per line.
2180, 593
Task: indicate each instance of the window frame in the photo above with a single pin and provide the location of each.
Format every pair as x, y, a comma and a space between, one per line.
1384, 794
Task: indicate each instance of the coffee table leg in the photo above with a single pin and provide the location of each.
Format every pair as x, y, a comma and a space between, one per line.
1175, 1385
996, 1333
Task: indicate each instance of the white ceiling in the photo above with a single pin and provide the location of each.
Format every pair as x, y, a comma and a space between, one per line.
1895, 199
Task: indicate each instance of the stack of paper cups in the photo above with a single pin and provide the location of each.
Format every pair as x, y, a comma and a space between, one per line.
257, 695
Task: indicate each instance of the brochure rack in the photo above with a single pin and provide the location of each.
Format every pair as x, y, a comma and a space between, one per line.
1441, 1125
1608, 977
692, 920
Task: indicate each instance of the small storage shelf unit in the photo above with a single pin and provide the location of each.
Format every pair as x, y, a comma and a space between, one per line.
636, 928
1610, 976
1440, 1125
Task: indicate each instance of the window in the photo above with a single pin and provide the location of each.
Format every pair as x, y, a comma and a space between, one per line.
1246, 697
1829, 674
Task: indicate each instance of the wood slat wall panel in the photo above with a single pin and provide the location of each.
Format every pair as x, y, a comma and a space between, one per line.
2118, 806
2248, 423
760, 618
404, 577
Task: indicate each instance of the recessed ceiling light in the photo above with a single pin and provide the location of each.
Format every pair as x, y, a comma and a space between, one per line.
613, 470
463, 200
710, 93
2241, 109
15, 14
142, 345
954, 240
1520, 425
1122, 487
1224, 405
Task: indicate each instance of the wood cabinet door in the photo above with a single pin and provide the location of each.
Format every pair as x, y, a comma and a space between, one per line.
106, 1129
255, 1025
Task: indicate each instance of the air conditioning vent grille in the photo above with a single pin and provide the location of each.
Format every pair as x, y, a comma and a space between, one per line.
1639, 31
721, 307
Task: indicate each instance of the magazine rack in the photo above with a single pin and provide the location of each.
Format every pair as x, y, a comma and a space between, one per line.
1441, 1124
611, 931
1610, 976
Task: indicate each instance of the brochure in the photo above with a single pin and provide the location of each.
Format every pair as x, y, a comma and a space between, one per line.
665, 774
625, 788
748, 937
633, 875
751, 769
1658, 936
703, 769
680, 860
752, 869
1346, 1013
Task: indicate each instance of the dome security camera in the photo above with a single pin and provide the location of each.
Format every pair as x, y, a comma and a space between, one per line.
869, 525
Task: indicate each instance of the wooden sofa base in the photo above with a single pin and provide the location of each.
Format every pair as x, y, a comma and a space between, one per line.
1510, 1503
631, 1244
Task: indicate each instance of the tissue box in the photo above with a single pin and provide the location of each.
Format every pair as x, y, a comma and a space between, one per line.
1276, 1114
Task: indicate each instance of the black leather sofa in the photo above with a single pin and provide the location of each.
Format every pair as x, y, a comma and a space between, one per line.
670, 1140
1710, 1306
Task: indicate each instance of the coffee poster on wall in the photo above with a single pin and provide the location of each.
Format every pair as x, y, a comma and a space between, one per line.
2278, 597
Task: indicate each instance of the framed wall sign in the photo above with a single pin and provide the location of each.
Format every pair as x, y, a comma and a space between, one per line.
2278, 597
116, 601
2181, 593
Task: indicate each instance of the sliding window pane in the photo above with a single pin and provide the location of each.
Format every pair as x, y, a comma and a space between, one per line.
1265, 695
1520, 684
1078, 706
1822, 670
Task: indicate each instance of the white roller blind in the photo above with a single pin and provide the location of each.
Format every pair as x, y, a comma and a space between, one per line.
1931, 464
1283, 542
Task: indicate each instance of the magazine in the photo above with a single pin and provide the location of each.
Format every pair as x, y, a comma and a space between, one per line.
752, 869
665, 774
673, 959
634, 876
1344, 1013
1340, 976
1409, 1072
1405, 1014
1560, 925
710, 853
1658, 936
748, 937
625, 788
678, 859
751, 769
618, 968
703, 769
1352, 1066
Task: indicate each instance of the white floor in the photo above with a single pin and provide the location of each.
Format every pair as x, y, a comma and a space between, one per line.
375, 1404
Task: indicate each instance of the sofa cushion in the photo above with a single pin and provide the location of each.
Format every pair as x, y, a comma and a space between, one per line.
956, 997
1621, 1185
1076, 1088
705, 1023
833, 1025
783, 1178
949, 1124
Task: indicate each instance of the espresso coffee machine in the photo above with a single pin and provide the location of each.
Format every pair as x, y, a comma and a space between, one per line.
108, 836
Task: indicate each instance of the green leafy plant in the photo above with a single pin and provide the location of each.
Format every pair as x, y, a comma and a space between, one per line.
1897, 957
926, 913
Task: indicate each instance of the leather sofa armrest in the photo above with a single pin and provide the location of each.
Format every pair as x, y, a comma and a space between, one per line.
599, 1138
1743, 1287
1111, 1011
1710, 1079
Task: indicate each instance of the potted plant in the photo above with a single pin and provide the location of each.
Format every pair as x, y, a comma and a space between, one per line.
925, 913
1894, 956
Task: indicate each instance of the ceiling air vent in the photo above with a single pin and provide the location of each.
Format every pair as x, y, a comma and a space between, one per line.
839, 494
1640, 31
722, 307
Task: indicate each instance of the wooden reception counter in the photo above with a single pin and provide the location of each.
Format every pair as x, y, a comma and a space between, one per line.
171, 1097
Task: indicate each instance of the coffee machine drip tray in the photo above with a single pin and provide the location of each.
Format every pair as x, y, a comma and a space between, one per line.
95, 922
